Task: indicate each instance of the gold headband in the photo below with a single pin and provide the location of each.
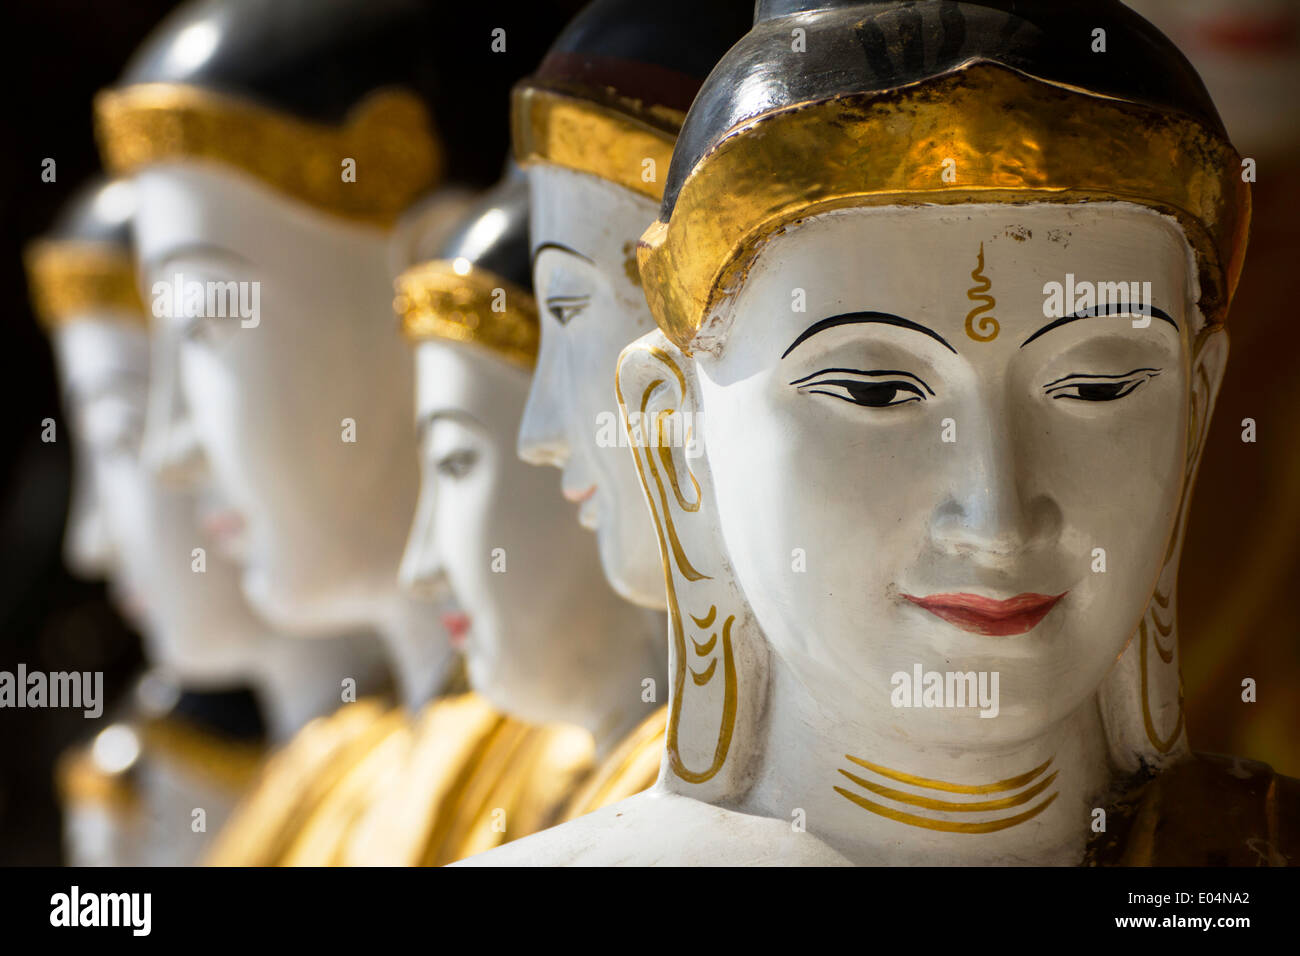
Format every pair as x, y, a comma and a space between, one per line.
1012, 139
453, 299
69, 277
609, 141
389, 135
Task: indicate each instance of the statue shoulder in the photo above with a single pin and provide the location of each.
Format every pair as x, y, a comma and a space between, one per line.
658, 828
515, 784
633, 766
403, 826
1207, 810
296, 780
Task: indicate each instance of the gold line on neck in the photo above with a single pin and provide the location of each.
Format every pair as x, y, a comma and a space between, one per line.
947, 826
974, 806
1011, 783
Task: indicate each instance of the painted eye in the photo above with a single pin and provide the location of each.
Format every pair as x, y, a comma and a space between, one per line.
458, 464
1100, 388
858, 388
208, 331
564, 308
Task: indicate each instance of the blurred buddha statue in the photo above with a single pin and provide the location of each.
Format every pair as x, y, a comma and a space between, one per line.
273, 144
564, 672
222, 685
942, 288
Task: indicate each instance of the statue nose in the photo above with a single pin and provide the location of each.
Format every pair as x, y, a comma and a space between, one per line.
170, 449
420, 573
988, 508
172, 453
543, 438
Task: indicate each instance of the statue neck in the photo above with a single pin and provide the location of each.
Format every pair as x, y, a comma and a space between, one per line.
419, 654
298, 679
805, 752
634, 651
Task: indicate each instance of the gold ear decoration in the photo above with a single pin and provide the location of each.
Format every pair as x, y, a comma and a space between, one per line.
1165, 745
988, 326
389, 136
670, 544
1197, 418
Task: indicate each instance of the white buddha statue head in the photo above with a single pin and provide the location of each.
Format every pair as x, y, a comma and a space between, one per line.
948, 321
273, 145
544, 638
186, 605
594, 127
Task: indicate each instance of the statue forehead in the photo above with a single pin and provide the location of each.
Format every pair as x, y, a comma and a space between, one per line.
933, 252
566, 201
101, 346
453, 375
1053, 230
192, 200
980, 273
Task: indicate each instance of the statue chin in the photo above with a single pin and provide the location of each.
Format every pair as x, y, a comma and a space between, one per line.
300, 403
584, 230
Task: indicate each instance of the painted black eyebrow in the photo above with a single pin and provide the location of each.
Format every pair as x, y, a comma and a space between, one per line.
851, 318
1092, 313
555, 245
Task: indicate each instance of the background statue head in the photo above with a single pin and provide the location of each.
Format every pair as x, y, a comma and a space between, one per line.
273, 145
544, 637
934, 440
594, 128
194, 624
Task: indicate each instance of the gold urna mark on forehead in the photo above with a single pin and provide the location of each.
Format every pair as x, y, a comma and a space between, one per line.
986, 329
898, 804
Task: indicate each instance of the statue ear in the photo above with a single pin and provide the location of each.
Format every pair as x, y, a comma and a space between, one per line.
716, 657
1142, 698
1209, 361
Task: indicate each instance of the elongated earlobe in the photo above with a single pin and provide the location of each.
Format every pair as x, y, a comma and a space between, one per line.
716, 657
1142, 697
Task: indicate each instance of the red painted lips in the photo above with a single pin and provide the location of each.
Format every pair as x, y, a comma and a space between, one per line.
457, 627
981, 615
